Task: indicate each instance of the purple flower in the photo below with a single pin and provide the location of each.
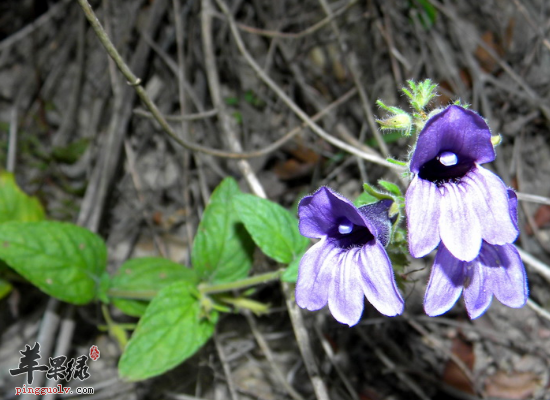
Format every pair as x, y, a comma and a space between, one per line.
497, 270
451, 197
349, 262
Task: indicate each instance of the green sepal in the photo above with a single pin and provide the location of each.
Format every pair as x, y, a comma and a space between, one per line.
396, 162
461, 104
399, 120
391, 192
364, 199
390, 187
378, 195
421, 94
391, 109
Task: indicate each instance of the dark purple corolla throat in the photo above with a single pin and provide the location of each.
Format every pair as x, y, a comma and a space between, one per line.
446, 167
347, 234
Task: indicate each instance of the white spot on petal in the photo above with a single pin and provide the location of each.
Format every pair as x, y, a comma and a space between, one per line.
448, 158
345, 227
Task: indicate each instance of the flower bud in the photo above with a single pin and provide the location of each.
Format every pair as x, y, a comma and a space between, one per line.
496, 140
398, 122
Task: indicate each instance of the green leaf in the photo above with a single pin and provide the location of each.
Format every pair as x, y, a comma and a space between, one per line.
273, 228
171, 331
143, 276
5, 288
103, 287
222, 250
15, 205
63, 260
290, 274
391, 187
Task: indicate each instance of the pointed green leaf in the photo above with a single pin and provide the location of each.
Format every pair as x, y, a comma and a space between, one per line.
222, 250
171, 331
15, 205
143, 276
273, 228
63, 260
406, 91
394, 110
391, 187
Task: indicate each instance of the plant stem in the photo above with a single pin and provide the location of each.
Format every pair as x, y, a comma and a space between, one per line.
244, 283
132, 294
203, 288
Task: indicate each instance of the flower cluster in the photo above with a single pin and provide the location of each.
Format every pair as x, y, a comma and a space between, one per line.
467, 210
452, 203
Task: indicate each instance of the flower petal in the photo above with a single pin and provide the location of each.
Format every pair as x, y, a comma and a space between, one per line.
492, 205
314, 275
423, 210
378, 216
513, 204
477, 295
457, 130
378, 280
345, 296
459, 225
505, 274
320, 212
445, 284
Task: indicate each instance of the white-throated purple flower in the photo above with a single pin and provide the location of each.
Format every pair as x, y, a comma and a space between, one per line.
349, 262
451, 197
497, 270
